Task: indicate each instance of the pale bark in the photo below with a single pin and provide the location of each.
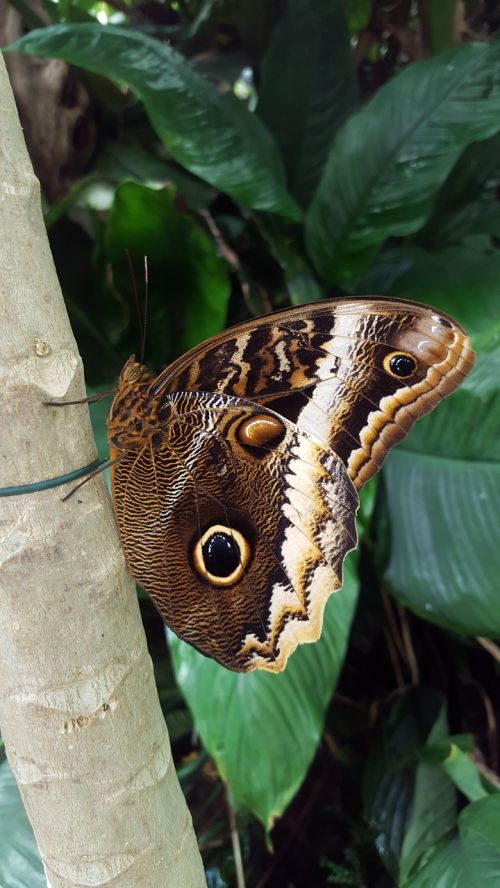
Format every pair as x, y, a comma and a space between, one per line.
79, 712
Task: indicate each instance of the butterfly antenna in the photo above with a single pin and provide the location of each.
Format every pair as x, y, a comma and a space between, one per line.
91, 399
136, 295
146, 305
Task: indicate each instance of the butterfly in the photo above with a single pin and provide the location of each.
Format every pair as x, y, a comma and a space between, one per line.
236, 471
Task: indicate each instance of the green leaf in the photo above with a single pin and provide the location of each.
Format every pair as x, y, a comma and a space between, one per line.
389, 159
308, 88
261, 729
462, 770
478, 825
20, 864
444, 558
119, 161
213, 136
445, 869
471, 859
399, 791
468, 193
433, 806
438, 751
188, 283
302, 284
442, 484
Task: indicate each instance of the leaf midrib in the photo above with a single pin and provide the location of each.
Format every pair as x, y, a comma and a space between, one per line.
393, 153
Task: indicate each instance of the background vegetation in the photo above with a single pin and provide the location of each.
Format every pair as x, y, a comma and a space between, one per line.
263, 154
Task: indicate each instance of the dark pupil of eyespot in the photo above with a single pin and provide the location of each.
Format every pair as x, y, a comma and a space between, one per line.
402, 365
221, 554
444, 322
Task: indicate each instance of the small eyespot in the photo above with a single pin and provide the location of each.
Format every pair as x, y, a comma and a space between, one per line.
261, 431
221, 555
400, 364
138, 425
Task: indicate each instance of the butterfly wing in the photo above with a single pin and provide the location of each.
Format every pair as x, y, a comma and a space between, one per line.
236, 493
236, 522
355, 373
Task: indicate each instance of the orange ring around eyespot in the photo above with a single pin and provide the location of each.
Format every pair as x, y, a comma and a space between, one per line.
244, 549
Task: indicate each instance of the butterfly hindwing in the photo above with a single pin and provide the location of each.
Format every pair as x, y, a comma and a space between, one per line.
237, 525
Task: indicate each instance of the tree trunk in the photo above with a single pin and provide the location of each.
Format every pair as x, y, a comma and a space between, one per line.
79, 712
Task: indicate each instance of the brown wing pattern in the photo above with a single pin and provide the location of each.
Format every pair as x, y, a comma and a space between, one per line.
324, 367
283, 500
236, 469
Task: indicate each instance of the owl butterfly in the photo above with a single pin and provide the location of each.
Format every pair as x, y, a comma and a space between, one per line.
236, 471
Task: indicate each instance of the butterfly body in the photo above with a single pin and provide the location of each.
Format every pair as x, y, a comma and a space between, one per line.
236, 470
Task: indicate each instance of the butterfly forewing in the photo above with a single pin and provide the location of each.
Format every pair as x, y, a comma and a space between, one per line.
326, 368
237, 468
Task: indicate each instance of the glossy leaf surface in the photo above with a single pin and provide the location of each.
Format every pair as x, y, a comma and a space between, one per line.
388, 160
308, 87
442, 484
211, 135
263, 729
471, 859
409, 804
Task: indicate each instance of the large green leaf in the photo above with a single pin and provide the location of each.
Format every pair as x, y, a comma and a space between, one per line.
389, 159
213, 136
471, 859
188, 283
444, 558
308, 87
20, 864
442, 484
442, 496
468, 195
263, 729
409, 804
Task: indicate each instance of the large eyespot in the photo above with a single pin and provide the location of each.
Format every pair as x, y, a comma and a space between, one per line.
221, 555
400, 364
